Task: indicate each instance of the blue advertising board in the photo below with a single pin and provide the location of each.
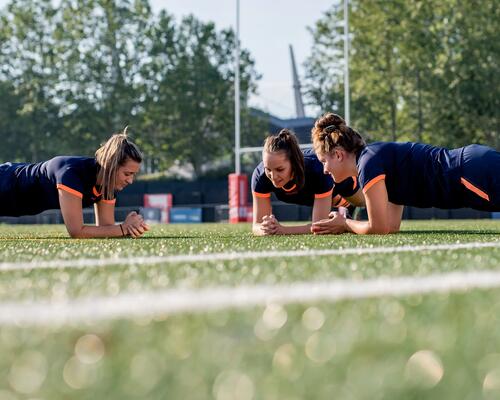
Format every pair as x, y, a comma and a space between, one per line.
185, 215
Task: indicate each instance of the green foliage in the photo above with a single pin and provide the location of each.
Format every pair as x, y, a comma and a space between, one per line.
426, 71
75, 73
193, 100
28, 68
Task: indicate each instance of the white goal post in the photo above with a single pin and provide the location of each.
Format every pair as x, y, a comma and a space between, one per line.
260, 148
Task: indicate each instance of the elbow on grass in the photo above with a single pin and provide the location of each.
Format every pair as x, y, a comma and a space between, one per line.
75, 233
394, 229
380, 230
256, 230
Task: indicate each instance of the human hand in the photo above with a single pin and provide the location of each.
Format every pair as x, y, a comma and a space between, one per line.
270, 225
341, 210
134, 225
335, 224
332, 214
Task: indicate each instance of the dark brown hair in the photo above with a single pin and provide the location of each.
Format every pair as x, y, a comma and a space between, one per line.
287, 142
110, 156
330, 131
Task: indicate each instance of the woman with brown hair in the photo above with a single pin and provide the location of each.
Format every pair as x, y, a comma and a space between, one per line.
70, 183
295, 177
393, 175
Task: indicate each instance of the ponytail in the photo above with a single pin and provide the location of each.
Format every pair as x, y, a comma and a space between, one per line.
110, 156
330, 131
287, 142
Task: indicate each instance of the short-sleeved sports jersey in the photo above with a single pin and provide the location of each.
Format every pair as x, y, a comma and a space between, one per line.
317, 184
28, 189
421, 175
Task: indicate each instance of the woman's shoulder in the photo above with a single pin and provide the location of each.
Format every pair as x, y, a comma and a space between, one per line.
71, 161
260, 182
384, 148
259, 178
61, 164
394, 145
314, 172
311, 159
312, 165
258, 171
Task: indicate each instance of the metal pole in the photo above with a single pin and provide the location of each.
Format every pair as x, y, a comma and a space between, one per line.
237, 166
346, 63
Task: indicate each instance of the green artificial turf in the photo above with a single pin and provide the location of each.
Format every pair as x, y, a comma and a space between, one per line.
433, 346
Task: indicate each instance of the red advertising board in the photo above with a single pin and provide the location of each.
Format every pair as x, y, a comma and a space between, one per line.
163, 201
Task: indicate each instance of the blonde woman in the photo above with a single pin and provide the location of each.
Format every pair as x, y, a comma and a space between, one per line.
70, 183
393, 175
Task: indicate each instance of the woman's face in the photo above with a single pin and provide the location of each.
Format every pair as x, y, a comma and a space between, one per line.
277, 168
126, 174
334, 164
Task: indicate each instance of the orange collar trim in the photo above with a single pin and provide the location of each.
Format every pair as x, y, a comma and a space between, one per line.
96, 193
289, 190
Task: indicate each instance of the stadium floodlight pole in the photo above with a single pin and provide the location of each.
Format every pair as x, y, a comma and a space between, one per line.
347, 111
237, 165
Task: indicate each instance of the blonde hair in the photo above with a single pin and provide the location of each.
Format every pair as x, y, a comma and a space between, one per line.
330, 131
110, 156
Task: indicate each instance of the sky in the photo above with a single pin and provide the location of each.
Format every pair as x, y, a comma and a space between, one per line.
267, 28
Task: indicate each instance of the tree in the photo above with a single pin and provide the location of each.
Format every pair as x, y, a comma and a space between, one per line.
28, 63
102, 49
191, 108
78, 72
419, 70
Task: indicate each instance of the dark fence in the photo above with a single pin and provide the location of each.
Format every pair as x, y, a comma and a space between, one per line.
206, 191
211, 196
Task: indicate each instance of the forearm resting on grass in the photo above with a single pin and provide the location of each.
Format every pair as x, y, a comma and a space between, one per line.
71, 209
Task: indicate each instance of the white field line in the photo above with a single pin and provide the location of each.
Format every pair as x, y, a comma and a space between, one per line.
254, 255
178, 301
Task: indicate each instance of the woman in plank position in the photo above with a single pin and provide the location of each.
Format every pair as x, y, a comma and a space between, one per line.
393, 175
71, 183
296, 177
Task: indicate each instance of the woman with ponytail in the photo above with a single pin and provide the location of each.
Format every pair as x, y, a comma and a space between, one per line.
296, 177
71, 183
393, 175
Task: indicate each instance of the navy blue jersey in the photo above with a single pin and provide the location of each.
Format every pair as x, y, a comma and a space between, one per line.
27, 189
421, 175
317, 184
480, 178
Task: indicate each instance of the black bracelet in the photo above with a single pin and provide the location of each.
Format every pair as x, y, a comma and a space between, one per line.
121, 227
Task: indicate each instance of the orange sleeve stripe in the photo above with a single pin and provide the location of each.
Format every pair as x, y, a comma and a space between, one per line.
344, 203
69, 190
262, 195
339, 201
336, 200
474, 189
108, 201
373, 182
355, 179
323, 195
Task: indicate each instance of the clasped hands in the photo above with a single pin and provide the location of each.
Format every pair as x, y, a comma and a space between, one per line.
134, 225
334, 224
270, 225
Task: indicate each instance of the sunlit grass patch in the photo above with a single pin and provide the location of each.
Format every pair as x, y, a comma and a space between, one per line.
421, 346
